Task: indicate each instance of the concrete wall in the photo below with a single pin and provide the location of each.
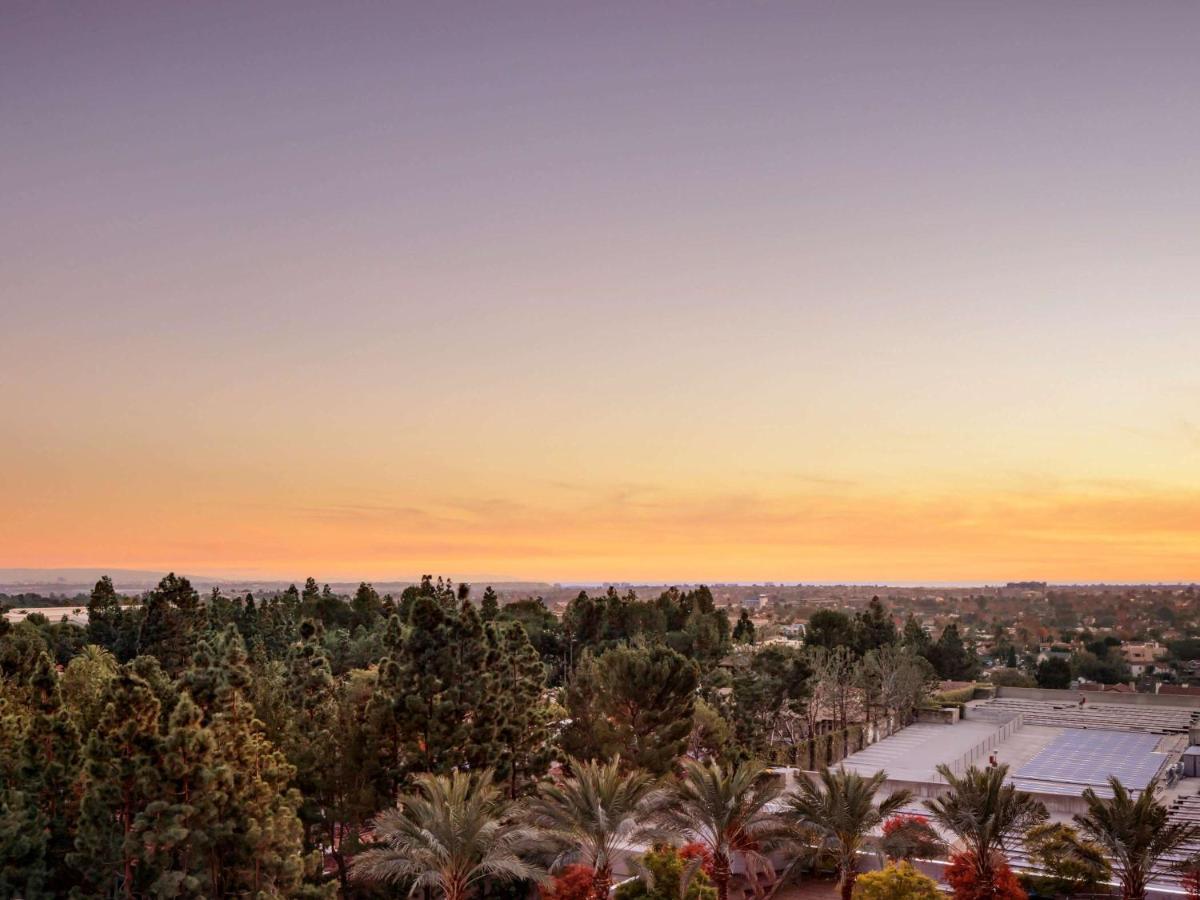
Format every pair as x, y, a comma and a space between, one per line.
1094, 697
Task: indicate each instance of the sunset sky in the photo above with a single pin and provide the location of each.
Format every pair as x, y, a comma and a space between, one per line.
632, 291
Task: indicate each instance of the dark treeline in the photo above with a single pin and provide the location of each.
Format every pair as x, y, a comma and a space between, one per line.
188, 745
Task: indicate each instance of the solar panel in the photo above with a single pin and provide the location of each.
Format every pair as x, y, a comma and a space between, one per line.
1089, 757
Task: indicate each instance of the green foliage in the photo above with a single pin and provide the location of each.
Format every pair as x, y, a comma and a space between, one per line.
104, 614
633, 702
985, 813
873, 628
1137, 834
522, 716
664, 875
454, 834
954, 697
1108, 668
743, 632
1011, 677
1054, 673
595, 817
489, 606
953, 659
899, 881
1071, 864
829, 628
728, 811
840, 810
120, 780
170, 621
772, 690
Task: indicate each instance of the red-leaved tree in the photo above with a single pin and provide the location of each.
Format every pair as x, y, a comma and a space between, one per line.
694, 849
1191, 883
963, 876
574, 882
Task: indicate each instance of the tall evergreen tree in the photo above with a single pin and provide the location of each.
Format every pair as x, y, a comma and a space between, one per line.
743, 632
171, 620
48, 773
637, 702
104, 614
874, 628
366, 607
523, 731
120, 780
309, 740
489, 606
178, 828
260, 844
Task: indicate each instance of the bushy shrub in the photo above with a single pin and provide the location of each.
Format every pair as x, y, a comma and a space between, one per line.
899, 881
572, 883
907, 837
963, 877
663, 879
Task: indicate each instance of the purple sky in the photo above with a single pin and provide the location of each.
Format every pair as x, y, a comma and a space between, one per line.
277, 261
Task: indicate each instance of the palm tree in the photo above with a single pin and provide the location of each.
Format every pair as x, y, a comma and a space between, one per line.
453, 833
840, 808
595, 815
726, 810
1138, 834
984, 813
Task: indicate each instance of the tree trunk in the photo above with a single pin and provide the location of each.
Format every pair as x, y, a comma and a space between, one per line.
601, 882
1133, 887
848, 878
721, 875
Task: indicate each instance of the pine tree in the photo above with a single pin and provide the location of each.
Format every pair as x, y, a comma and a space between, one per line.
874, 628
179, 826
523, 731
104, 614
431, 724
310, 742
743, 632
171, 620
637, 702
473, 689
121, 779
260, 842
489, 607
48, 774
366, 607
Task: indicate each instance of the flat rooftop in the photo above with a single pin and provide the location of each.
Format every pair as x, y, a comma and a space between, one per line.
915, 752
1051, 748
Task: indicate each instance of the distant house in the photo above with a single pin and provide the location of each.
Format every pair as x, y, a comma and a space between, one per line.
1143, 653
1107, 688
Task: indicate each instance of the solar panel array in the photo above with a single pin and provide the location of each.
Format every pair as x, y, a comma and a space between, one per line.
1089, 757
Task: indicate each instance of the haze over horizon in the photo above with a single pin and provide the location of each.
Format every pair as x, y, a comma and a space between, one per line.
589, 292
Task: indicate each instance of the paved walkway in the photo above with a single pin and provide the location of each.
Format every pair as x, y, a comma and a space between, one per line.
809, 889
